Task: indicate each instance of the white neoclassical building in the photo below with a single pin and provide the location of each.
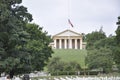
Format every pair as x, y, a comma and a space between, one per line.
68, 39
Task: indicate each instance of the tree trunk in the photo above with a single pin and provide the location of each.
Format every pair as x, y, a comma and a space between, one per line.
11, 74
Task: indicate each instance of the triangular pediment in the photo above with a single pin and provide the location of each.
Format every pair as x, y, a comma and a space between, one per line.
68, 33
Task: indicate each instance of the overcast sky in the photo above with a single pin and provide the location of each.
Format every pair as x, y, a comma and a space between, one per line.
85, 15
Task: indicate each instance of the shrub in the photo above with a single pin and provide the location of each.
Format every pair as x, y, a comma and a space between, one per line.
58, 67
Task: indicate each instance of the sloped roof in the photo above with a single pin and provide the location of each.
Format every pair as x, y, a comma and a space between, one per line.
68, 33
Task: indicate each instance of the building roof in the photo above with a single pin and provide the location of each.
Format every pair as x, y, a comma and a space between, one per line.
67, 33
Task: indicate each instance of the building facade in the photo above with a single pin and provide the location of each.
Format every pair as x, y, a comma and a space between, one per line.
68, 39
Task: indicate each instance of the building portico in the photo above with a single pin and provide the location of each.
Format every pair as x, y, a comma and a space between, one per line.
65, 43
67, 40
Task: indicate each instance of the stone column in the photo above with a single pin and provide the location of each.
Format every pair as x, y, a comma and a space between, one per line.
55, 44
60, 43
80, 43
65, 40
70, 43
76, 44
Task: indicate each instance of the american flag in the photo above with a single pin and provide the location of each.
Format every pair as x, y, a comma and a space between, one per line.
70, 23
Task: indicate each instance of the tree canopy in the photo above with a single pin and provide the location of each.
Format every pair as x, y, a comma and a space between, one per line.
99, 50
118, 32
38, 46
117, 47
91, 38
23, 47
100, 59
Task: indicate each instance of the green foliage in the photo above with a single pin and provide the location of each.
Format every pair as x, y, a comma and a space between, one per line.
93, 37
56, 65
118, 32
72, 66
13, 18
84, 37
107, 43
23, 48
100, 51
100, 59
38, 47
116, 51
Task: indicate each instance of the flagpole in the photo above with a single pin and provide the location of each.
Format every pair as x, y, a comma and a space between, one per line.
68, 46
68, 7
71, 25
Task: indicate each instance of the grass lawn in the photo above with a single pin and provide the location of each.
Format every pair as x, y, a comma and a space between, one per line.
69, 55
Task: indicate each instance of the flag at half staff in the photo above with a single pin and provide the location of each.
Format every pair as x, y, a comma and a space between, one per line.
70, 23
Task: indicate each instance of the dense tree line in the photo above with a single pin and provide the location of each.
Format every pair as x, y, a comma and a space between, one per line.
103, 52
117, 47
91, 38
100, 51
23, 46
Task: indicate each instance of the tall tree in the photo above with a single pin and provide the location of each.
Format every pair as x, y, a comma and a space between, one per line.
91, 38
118, 32
38, 47
100, 59
13, 18
17, 46
100, 51
117, 48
